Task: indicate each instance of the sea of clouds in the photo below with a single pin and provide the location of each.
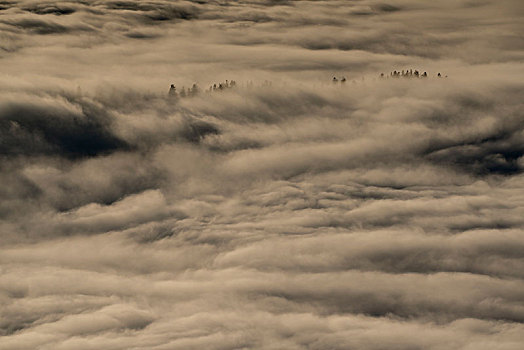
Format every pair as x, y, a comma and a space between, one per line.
285, 213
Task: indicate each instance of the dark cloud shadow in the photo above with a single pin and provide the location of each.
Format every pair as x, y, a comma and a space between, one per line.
45, 130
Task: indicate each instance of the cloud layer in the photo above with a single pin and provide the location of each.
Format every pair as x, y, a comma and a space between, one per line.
286, 212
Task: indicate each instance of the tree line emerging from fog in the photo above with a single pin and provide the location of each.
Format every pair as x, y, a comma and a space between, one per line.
195, 90
408, 73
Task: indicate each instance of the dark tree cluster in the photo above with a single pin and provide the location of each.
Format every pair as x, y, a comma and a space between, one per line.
408, 73
228, 84
189, 92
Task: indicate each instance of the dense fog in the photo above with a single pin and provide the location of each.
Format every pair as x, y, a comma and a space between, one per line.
288, 210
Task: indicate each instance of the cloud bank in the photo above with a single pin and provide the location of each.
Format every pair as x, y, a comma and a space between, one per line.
286, 212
